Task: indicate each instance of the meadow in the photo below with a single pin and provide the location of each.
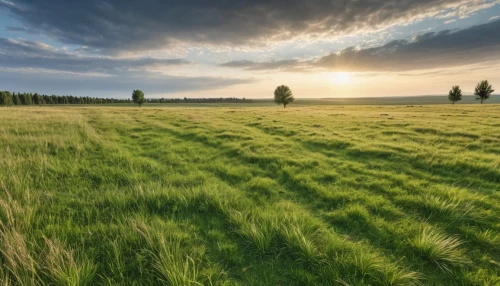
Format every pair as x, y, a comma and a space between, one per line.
250, 195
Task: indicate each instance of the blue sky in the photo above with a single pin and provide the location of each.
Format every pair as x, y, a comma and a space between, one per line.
319, 48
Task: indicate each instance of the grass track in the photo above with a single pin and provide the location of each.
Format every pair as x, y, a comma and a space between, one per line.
311, 195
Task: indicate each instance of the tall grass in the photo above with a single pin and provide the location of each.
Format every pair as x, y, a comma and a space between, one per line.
19, 265
175, 268
443, 250
259, 236
301, 246
395, 276
64, 268
172, 266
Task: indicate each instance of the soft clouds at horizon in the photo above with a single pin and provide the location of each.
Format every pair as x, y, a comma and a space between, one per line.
246, 48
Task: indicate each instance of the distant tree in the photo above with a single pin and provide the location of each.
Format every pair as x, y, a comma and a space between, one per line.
138, 97
5, 98
29, 99
22, 98
483, 90
283, 95
455, 94
15, 99
37, 99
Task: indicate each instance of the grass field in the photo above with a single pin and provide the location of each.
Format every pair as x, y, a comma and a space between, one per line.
307, 195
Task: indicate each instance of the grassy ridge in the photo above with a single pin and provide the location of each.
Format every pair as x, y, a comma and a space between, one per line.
313, 195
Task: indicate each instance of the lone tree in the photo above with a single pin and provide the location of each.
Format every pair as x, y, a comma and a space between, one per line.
483, 90
138, 97
455, 94
283, 95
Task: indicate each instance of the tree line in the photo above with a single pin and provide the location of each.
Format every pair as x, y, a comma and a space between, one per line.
138, 98
8, 98
199, 100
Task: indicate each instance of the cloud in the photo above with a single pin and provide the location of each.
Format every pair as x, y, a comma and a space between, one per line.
35, 66
471, 8
6, 3
287, 65
129, 25
21, 29
34, 54
239, 64
476, 44
468, 8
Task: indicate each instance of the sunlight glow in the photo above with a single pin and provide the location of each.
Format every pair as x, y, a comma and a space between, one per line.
341, 77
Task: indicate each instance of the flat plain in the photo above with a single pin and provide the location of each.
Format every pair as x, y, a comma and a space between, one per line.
250, 195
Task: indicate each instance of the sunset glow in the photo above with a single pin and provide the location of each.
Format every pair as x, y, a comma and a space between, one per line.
341, 77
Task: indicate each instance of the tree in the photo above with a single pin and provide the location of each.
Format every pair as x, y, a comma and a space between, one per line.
138, 97
15, 99
37, 99
5, 98
29, 99
283, 95
22, 98
483, 90
455, 94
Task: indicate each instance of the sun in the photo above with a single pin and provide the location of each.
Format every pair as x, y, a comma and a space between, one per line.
341, 77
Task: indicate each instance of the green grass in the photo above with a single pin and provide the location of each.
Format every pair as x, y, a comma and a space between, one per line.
259, 195
440, 249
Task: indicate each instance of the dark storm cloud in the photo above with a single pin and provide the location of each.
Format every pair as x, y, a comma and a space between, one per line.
32, 54
127, 25
473, 45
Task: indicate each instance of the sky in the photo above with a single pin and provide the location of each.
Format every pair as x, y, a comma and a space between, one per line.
244, 49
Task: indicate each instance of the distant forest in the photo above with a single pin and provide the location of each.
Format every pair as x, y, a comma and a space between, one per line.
198, 100
8, 98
